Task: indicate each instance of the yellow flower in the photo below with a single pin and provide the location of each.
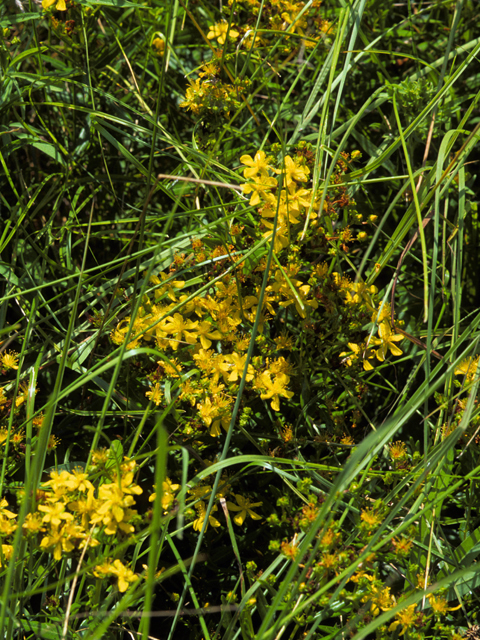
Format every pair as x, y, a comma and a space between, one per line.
244, 506
123, 573
219, 31
10, 360
113, 506
99, 456
23, 395
167, 495
468, 368
440, 605
6, 526
159, 45
33, 523
60, 4
155, 394
206, 334
78, 481
177, 326
84, 508
255, 165
260, 185
172, 368
370, 518
387, 341
54, 514
274, 389
7, 551
52, 443
295, 171
202, 512
58, 541
238, 365
406, 618
168, 287
5, 512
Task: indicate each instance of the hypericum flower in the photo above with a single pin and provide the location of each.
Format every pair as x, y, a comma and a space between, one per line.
56, 539
60, 4
358, 350
284, 341
398, 451
155, 394
207, 411
10, 360
17, 438
193, 97
23, 395
116, 568
370, 518
440, 606
78, 481
172, 368
468, 368
289, 549
124, 575
200, 491
3, 435
168, 495
32, 523
99, 456
58, 483
260, 185
4, 511
255, 165
293, 23
387, 341
381, 599
159, 45
244, 506
177, 326
407, 618
295, 171
168, 287
358, 292
85, 508
202, 513
238, 366
52, 443
38, 420
113, 508
402, 546
207, 334
54, 514
219, 31
7, 552
273, 389
6, 526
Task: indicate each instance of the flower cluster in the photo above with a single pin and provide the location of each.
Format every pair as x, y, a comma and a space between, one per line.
301, 24
208, 96
203, 339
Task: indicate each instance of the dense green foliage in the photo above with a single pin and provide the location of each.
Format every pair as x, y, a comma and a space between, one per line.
239, 319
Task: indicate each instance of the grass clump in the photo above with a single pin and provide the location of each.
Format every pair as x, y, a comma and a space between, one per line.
239, 327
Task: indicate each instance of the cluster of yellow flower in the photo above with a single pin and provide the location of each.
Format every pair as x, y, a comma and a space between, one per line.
300, 22
203, 338
209, 95
72, 514
367, 593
